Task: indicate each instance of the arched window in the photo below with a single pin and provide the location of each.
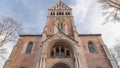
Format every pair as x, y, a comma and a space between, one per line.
29, 48
68, 13
57, 51
52, 53
62, 51
53, 13
57, 13
67, 53
91, 47
62, 13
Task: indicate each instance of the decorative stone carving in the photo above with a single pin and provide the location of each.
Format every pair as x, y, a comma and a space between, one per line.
61, 36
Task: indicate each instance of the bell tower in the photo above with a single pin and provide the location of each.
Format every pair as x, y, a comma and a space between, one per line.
60, 46
59, 19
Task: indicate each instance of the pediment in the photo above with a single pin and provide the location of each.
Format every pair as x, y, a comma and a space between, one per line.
60, 5
61, 36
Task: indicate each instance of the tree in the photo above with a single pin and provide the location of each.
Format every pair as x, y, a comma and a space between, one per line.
9, 32
116, 51
111, 10
3, 52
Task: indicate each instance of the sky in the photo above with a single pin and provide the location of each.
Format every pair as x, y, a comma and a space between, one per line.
88, 17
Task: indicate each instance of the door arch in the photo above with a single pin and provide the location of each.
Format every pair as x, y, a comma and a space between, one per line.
60, 65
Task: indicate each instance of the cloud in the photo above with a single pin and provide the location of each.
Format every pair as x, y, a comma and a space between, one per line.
80, 9
91, 19
88, 19
87, 16
80, 12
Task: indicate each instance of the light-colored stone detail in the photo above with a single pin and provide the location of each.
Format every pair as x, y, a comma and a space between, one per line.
47, 44
52, 61
110, 57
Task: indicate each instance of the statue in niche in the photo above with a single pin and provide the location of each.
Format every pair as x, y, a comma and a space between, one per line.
60, 25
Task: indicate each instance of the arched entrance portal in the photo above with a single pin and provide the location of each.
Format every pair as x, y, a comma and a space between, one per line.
60, 65
60, 51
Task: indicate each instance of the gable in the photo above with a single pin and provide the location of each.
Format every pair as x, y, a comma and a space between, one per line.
60, 5
60, 36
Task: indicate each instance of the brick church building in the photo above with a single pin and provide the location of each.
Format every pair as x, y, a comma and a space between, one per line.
60, 45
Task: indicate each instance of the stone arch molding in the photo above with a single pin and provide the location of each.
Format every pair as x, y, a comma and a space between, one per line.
48, 43
71, 66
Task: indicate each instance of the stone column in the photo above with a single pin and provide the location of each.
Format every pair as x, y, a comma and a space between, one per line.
76, 61
44, 61
41, 63
38, 60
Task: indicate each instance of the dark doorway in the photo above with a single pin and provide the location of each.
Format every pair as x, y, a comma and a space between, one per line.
60, 65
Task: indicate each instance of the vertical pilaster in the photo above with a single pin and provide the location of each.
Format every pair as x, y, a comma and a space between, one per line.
43, 65
40, 63
38, 60
44, 62
76, 61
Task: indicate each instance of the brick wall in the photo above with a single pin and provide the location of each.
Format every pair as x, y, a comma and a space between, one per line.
18, 56
97, 59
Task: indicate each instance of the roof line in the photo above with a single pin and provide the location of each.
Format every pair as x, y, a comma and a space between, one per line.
90, 34
30, 35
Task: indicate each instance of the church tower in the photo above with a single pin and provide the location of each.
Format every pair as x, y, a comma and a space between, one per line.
60, 45
60, 19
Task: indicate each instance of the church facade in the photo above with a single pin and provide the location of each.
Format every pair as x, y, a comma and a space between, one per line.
60, 45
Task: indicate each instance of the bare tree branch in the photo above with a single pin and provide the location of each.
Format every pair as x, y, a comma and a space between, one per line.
111, 10
116, 50
9, 32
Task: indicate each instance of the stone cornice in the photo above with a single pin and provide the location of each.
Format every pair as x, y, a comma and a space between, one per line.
89, 34
30, 35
